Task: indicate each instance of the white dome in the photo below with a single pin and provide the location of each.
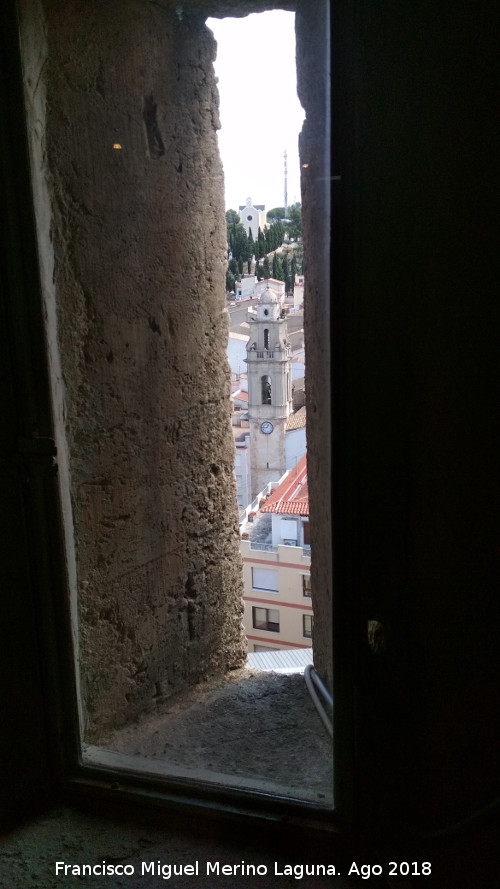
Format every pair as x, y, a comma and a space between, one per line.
269, 296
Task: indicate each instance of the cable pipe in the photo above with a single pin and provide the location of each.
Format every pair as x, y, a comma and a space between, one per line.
311, 677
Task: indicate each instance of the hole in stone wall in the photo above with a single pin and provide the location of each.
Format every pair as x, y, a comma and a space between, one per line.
264, 712
147, 557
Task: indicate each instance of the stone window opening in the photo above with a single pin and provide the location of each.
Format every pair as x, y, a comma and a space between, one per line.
156, 616
266, 389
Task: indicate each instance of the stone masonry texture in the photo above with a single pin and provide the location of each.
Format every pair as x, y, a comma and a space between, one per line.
122, 109
138, 236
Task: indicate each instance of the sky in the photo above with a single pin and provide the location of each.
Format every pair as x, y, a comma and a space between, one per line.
260, 113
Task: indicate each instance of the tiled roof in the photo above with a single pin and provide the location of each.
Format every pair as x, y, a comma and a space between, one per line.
291, 497
296, 420
290, 660
240, 395
293, 507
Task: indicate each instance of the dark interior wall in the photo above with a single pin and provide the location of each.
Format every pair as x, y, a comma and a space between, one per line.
415, 389
23, 741
132, 247
26, 455
416, 274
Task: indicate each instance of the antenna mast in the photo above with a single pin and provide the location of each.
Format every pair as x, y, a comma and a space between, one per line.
286, 192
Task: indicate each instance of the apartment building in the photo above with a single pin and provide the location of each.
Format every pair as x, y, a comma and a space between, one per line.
276, 565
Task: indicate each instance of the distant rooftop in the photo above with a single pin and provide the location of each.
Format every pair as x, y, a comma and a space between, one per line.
255, 206
293, 660
291, 496
297, 420
240, 395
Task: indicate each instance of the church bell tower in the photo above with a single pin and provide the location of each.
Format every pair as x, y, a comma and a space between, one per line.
269, 391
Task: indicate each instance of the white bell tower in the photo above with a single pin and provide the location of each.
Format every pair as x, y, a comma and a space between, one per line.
269, 391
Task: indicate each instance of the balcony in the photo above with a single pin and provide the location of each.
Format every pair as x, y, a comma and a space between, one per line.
263, 547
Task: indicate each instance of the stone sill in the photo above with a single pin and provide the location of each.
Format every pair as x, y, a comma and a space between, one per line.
254, 730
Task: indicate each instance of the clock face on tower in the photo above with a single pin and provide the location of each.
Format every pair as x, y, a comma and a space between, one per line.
266, 427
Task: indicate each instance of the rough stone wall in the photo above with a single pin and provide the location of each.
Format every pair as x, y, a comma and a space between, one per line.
313, 91
138, 238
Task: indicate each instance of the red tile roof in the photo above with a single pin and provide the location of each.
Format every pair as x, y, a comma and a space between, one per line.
291, 497
240, 395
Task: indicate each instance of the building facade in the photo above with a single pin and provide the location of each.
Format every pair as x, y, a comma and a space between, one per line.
276, 566
250, 288
298, 291
242, 469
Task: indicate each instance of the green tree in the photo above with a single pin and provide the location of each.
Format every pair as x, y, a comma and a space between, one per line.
277, 269
261, 242
274, 235
299, 256
294, 224
238, 242
229, 281
266, 272
268, 237
276, 214
232, 217
250, 244
286, 274
278, 233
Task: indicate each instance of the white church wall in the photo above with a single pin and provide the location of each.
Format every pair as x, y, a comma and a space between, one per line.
252, 218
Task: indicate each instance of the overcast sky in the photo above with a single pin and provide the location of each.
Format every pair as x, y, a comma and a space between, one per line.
261, 115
